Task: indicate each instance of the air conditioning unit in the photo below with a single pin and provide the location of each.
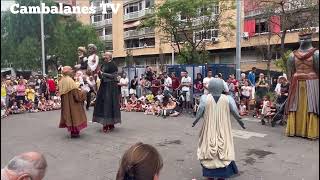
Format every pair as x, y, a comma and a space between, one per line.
214, 39
245, 35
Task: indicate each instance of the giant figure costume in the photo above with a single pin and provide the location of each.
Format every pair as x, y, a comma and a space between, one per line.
107, 107
303, 100
93, 60
216, 148
73, 116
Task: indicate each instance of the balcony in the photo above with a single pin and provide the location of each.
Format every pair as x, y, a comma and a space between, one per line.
137, 33
137, 14
253, 13
106, 37
99, 24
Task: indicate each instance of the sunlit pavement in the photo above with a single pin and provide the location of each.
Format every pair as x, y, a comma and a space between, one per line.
262, 152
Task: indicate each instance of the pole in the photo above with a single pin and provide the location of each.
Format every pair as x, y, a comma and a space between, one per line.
238, 48
172, 54
172, 57
42, 42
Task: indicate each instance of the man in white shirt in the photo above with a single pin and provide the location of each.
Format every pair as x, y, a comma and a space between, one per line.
186, 83
93, 59
167, 83
206, 81
225, 85
124, 83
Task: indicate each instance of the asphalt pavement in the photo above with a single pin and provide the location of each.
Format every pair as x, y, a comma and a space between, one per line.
262, 152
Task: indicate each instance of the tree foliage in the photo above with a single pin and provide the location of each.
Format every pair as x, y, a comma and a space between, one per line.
282, 63
21, 38
178, 20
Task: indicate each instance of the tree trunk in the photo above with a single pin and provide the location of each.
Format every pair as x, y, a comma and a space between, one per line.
283, 38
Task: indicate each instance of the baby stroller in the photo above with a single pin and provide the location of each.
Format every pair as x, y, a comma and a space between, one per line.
276, 114
280, 113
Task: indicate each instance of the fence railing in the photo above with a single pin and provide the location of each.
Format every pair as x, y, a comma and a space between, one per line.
137, 14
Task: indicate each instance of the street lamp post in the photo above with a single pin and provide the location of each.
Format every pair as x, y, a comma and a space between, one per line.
238, 47
42, 42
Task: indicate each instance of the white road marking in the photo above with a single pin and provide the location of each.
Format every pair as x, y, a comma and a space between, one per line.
251, 119
246, 134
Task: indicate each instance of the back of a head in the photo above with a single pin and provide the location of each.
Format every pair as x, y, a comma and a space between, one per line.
216, 86
31, 163
140, 162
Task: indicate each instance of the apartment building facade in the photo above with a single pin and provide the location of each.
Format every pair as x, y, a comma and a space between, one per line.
145, 46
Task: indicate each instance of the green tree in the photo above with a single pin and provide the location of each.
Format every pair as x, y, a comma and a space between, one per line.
282, 63
180, 21
21, 38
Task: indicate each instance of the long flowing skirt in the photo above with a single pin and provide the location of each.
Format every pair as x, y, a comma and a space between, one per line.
224, 172
107, 107
301, 122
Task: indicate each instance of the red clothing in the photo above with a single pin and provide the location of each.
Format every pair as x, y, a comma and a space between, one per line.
155, 90
52, 85
235, 82
175, 82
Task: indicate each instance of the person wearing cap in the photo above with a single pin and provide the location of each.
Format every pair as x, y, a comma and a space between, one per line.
73, 116
107, 106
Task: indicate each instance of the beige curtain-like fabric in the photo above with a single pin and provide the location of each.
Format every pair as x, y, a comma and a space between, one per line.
66, 84
215, 148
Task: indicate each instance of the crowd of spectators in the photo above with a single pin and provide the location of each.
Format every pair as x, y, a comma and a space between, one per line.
158, 94
35, 94
171, 94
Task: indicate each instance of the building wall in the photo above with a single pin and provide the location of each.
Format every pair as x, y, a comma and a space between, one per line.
221, 52
83, 18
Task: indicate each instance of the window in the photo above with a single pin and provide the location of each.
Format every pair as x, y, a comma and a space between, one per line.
140, 5
262, 26
97, 17
108, 15
108, 31
96, 3
136, 43
100, 32
205, 35
132, 8
148, 3
215, 10
108, 46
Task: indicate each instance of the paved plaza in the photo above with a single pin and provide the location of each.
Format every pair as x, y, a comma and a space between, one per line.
262, 152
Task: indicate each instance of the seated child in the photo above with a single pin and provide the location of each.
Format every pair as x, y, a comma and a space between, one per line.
14, 108
138, 107
170, 109
3, 110
160, 97
129, 106
34, 108
133, 98
150, 97
56, 104
243, 109
42, 104
22, 107
149, 108
49, 105
28, 105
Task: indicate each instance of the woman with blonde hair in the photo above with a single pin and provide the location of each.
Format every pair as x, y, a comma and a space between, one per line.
140, 162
